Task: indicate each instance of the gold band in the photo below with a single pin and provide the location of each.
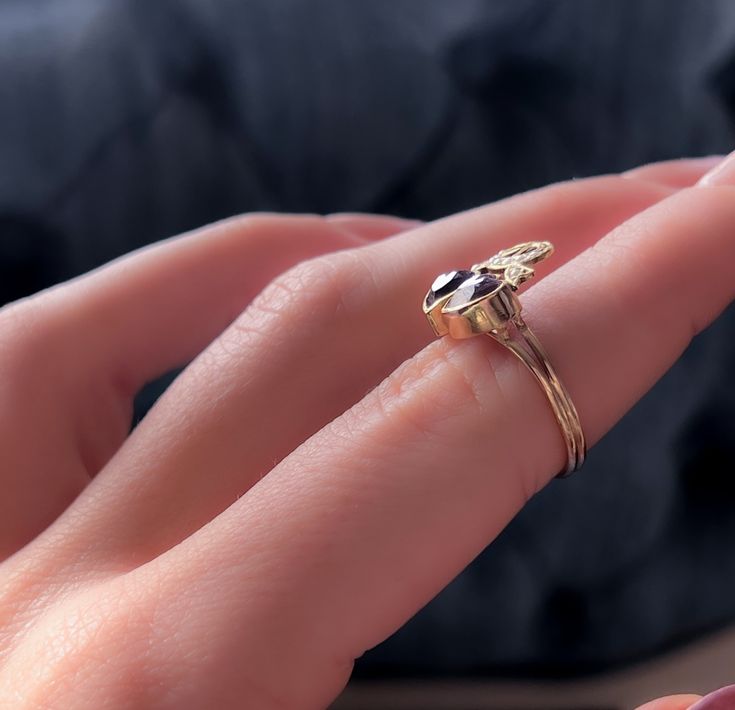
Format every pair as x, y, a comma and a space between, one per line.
529, 350
482, 300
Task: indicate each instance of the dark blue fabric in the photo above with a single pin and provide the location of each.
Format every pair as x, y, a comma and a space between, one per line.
125, 121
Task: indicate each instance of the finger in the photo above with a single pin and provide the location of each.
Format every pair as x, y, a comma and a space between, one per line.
72, 358
673, 702
270, 381
722, 699
675, 173
360, 526
166, 302
371, 226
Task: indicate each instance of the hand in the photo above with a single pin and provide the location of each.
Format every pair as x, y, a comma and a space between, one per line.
320, 470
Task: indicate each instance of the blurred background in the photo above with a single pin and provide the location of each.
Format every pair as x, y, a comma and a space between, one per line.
126, 121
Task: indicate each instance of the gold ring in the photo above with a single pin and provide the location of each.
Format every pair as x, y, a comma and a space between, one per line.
482, 300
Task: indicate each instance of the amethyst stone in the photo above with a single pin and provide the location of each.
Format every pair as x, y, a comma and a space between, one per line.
473, 288
445, 284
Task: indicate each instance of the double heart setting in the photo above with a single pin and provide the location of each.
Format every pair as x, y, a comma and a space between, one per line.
482, 299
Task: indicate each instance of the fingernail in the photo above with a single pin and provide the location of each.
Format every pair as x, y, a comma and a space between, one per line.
722, 174
724, 698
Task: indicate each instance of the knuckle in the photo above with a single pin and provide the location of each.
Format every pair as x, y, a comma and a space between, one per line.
295, 306
311, 293
450, 394
16, 320
442, 382
27, 334
263, 224
77, 644
559, 197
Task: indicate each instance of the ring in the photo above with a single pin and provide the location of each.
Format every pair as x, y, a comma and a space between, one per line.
482, 300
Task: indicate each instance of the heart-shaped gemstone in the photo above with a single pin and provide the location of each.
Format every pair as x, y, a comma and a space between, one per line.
445, 284
477, 286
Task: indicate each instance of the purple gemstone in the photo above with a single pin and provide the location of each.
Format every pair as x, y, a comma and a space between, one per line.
445, 284
476, 287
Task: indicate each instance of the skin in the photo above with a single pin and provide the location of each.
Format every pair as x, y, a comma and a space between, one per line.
673, 702
313, 477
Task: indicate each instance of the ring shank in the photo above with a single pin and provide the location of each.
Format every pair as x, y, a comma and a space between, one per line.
525, 345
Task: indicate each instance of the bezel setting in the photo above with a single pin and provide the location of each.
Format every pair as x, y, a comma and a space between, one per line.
466, 302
